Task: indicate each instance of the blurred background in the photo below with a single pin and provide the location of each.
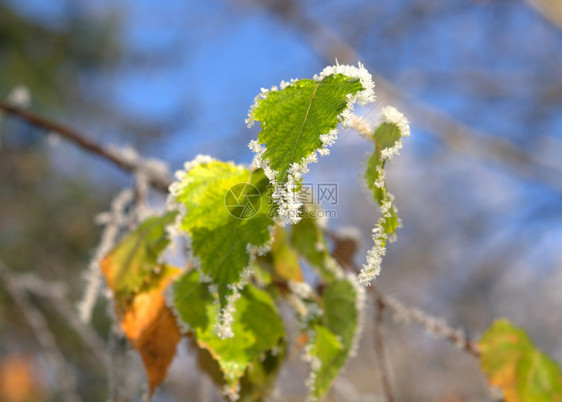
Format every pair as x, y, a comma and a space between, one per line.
478, 184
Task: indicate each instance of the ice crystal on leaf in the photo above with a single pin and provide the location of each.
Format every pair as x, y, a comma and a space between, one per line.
393, 126
223, 245
299, 121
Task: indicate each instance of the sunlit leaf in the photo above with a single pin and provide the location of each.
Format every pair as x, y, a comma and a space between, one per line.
512, 362
300, 119
137, 281
227, 213
332, 327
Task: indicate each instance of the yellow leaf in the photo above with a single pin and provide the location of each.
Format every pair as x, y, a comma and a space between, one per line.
512, 362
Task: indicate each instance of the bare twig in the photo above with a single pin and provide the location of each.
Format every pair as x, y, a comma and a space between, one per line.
381, 353
432, 325
82, 141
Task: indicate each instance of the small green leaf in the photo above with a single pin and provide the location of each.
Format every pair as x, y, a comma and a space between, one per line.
325, 357
132, 264
259, 379
340, 310
512, 362
257, 326
388, 142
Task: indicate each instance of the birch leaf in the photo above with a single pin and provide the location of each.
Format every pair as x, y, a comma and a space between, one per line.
511, 362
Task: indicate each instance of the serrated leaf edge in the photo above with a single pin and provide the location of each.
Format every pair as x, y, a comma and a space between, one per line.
225, 316
285, 194
372, 268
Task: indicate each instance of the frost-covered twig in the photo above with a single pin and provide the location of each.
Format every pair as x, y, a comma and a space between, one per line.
113, 221
432, 325
45, 338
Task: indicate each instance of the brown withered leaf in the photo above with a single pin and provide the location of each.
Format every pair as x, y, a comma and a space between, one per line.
151, 328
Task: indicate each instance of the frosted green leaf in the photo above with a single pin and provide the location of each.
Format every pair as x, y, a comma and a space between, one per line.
511, 362
257, 326
388, 142
132, 264
335, 336
300, 119
227, 217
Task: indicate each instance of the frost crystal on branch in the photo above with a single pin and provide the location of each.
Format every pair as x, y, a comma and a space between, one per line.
436, 327
113, 221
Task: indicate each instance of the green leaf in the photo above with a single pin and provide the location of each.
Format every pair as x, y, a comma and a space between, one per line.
132, 265
512, 362
299, 120
227, 213
341, 315
257, 326
336, 335
294, 118
388, 142
325, 354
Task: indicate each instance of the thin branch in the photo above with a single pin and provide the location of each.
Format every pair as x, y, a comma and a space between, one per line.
83, 142
432, 325
405, 315
43, 335
381, 353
